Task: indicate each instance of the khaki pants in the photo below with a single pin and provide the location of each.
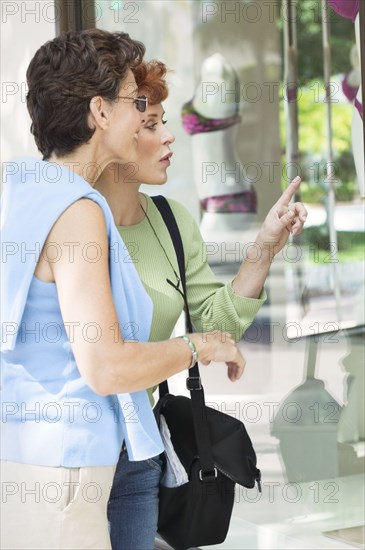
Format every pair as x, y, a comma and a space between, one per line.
45, 508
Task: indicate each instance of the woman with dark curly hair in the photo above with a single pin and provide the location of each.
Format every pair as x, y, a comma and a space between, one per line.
229, 307
74, 312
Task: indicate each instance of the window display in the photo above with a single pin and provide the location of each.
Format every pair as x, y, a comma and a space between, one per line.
302, 396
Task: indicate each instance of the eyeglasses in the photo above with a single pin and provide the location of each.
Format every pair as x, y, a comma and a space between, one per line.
141, 102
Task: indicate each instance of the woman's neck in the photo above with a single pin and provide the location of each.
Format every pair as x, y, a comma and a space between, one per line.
123, 198
87, 161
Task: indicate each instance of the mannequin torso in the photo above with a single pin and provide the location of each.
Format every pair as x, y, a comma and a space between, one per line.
227, 199
216, 166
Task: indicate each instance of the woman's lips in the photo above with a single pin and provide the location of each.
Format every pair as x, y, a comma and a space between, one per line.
166, 159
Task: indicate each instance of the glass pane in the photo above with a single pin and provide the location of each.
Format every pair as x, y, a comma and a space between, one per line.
301, 397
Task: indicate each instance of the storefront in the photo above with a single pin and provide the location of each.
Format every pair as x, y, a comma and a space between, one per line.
302, 396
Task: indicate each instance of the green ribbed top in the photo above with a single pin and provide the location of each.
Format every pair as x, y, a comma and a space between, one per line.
212, 304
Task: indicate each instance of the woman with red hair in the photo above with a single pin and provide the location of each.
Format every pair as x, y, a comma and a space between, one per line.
133, 504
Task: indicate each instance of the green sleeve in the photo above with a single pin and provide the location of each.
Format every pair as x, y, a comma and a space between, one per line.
212, 304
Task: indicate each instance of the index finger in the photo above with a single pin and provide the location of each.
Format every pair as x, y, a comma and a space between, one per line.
289, 191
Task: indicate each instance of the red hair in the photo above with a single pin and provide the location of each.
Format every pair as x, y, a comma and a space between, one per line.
150, 79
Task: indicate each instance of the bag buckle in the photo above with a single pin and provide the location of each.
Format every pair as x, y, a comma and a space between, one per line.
207, 476
194, 383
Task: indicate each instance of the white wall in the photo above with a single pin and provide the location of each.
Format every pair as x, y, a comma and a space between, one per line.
25, 25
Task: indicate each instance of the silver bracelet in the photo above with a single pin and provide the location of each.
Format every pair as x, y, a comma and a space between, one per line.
194, 353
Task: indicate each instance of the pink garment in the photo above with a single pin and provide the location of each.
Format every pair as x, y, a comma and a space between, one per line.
358, 106
232, 202
345, 8
349, 91
348, 9
195, 123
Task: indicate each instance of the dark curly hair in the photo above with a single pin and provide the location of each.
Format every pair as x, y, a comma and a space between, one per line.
64, 75
151, 80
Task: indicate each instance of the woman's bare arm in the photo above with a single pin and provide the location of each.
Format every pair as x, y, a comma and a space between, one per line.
110, 364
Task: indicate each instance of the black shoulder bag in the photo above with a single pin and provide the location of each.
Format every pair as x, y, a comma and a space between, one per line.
214, 448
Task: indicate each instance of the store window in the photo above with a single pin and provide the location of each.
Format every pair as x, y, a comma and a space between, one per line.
302, 397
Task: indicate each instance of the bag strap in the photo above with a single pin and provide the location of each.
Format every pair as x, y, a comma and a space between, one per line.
193, 382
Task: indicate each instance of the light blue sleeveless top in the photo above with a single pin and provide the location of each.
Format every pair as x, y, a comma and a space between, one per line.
50, 416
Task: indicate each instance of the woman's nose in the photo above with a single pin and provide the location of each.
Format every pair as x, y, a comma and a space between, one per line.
168, 137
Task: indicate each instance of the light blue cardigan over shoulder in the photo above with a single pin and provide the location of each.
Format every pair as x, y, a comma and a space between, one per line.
50, 416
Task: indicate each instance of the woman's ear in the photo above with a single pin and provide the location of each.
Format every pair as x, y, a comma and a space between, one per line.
100, 112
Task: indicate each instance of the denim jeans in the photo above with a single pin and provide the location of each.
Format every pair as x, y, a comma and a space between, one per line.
133, 503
